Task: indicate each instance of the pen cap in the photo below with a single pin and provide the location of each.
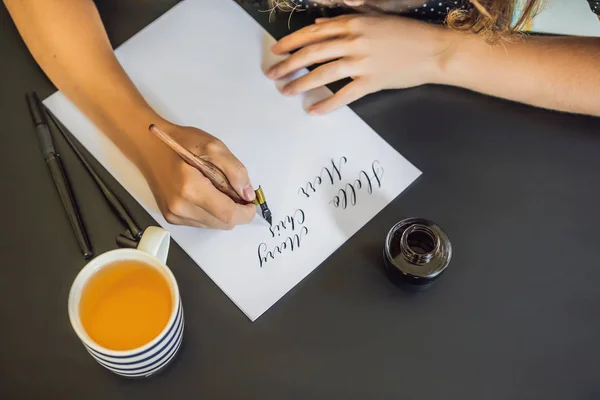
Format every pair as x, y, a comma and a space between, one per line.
126, 242
40, 122
36, 109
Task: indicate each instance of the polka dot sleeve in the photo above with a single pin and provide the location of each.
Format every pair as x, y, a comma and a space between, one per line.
595, 6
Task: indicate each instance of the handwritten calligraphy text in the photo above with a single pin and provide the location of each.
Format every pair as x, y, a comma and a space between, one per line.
289, 222
291, 243
329, 173
348, 194
292, 226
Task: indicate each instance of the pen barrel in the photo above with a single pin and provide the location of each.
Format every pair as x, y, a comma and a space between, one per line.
227, 190
45, 140
36, 109
68, 201
111, 197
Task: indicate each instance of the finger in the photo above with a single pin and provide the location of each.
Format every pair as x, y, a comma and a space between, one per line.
321, 76
342, 17
183, 212
336, 18
176, 220
346, 95
199, 191
309, 55
354, 3
234, 170
310, 34
228, 213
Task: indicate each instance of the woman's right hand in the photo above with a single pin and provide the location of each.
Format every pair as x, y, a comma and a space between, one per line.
68, 40
183, 194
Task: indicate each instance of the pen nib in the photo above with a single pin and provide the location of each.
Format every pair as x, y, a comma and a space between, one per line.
260, 199
266, 213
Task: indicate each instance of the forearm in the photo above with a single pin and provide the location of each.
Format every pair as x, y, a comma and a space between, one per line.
68, 40
559, 73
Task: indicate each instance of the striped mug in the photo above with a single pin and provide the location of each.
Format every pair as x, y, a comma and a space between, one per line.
152, 357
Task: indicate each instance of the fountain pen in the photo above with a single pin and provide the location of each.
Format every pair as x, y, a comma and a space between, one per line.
213, 173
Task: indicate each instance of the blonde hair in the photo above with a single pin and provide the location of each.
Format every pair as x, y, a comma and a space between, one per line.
494, 19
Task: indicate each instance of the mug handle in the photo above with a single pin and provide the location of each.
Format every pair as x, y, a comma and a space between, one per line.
155, 241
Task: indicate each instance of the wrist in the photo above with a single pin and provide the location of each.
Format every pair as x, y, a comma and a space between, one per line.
453, 51
128, 128
147, 148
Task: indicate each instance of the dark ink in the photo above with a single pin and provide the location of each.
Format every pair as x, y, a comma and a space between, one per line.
289, 222
292, 227
348, 195
330, 173
291, 243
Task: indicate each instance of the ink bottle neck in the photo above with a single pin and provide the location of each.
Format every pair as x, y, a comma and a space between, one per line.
419, 244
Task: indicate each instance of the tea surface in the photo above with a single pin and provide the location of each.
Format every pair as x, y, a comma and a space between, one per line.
125, 305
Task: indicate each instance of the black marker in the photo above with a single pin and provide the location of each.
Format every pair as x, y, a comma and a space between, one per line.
56, 170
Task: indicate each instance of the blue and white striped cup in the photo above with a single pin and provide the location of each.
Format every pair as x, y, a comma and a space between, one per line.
155, 355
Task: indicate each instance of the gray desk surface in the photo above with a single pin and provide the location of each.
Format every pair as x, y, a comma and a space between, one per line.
517, 316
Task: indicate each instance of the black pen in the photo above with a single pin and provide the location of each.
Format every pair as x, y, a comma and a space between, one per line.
110, 196
53, 162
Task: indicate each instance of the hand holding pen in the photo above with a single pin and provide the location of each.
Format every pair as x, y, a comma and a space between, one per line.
206, 188
216, 189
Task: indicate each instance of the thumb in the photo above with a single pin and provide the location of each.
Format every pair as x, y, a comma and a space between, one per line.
214, 150
237, 174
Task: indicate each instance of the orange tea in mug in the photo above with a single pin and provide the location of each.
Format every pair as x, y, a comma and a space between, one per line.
125, 305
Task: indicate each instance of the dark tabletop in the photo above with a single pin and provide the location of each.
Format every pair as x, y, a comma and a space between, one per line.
516, 316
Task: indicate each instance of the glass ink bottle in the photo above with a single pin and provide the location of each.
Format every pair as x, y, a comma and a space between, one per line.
416, 253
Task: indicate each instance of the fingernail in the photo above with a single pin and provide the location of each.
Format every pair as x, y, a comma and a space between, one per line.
272, 73
313, 111
354, 3
286, 90
249, 193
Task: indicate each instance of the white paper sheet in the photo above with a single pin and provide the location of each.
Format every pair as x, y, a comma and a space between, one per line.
210, 75
567, 17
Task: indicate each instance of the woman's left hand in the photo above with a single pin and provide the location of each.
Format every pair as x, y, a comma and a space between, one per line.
377, 52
